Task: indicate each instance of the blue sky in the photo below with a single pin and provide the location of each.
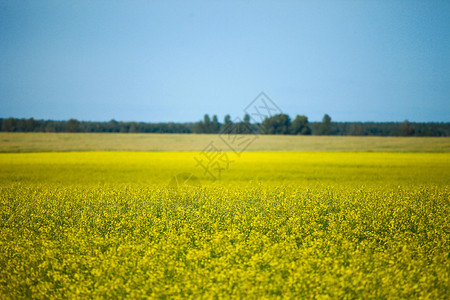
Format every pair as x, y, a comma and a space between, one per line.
158, 61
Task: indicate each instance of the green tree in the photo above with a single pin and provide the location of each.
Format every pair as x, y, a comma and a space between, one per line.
9, 124
133, 127
277, 124
49, 126
244, 127
300, 125
324, 128
227, 120
215, 125
73, 125
112, 126
406, 129
31, 125
206, 124
356, 129
21, 125
247, 119
198, 127
227, 124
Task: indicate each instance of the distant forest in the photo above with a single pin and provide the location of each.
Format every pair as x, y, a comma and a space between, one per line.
277, 124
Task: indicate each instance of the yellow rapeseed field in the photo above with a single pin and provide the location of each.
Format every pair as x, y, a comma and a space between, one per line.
270, 225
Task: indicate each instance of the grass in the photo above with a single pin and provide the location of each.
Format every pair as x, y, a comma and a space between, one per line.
45, 142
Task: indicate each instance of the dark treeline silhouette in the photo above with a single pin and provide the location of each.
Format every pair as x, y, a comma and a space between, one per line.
31, 125
277, 124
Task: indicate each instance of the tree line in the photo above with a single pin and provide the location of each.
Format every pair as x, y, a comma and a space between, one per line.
278, 124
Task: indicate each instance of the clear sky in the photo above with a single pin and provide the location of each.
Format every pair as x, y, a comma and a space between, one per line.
164, 61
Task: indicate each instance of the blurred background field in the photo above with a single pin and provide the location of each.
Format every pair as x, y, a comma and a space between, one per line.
49, 142
158, 168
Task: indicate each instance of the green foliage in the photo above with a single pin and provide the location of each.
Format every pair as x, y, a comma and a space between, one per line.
277, 124
324, 128
215, 125
318, 128
300, 125
406, 129
74, 125
207, 126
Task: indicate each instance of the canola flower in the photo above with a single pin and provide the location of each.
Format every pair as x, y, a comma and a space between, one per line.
275, 225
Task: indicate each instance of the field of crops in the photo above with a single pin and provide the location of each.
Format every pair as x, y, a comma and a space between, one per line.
273, 224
